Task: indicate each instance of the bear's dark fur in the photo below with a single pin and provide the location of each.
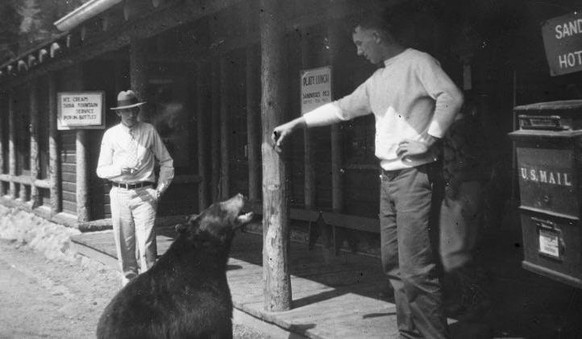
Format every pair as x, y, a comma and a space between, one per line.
185, 294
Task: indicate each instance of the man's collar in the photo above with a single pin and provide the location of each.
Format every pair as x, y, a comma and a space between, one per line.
132, 128
395, 56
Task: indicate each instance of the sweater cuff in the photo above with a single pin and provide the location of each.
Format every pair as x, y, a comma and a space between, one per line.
436, 130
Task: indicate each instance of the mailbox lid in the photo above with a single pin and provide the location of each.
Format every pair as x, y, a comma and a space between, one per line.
552, 115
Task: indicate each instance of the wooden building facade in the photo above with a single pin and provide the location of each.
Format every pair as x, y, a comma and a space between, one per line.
218, 75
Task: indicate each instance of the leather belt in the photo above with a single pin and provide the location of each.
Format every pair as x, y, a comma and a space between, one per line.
132, 186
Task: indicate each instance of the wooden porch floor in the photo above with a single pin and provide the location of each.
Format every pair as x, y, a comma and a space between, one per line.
333, 297
336, 296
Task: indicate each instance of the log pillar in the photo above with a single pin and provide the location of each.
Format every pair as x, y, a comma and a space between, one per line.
277, 288
82, 157
309, 175
11, 145
252, 108
215, 130
54, 148
138, 73
2, 122
337, 186
225, 104
34, 148
201, 96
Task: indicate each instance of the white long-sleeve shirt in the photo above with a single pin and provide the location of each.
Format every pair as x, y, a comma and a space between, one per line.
410, 97
115, 146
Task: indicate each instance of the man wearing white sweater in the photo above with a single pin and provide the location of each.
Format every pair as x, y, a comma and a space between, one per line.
414, 102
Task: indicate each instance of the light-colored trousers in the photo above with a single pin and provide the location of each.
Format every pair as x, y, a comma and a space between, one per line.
133, 214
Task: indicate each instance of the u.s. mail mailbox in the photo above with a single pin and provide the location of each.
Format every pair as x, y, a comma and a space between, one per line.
548, 147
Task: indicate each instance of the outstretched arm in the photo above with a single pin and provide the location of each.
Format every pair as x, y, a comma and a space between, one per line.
322, 116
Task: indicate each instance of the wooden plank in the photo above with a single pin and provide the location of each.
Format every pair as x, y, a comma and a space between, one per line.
68, 168
303, 214
352, 222
69, 195
70, 207
70, 177
68, 186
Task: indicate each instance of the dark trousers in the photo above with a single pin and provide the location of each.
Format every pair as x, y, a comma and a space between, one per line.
409, 255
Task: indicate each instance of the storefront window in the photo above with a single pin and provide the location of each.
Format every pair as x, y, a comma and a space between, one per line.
171, 112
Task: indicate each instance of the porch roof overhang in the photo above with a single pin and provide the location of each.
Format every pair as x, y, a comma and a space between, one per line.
139, 19
87, 11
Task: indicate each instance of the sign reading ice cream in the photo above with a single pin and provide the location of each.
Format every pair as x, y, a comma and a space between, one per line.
80, 110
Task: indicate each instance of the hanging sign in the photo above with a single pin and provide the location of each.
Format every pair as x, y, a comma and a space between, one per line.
80, 110
563, 43
315, 87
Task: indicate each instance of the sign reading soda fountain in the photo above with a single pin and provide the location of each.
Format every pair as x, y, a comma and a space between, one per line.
80, 110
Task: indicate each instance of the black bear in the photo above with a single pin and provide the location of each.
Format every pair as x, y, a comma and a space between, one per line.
185, 294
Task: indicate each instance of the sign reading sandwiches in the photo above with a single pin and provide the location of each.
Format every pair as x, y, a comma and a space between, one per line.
563, 43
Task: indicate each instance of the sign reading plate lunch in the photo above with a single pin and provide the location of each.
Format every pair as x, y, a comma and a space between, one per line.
315, 88
563, 43
81, 110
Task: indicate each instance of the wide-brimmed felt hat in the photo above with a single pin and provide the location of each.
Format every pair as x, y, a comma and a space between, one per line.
127, 99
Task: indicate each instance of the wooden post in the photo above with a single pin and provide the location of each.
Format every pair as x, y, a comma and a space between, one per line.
253, 107
225, 104
277, 288
54, 148
215, 130
337, 186
11, 144
201, 95
138, 73
2, 122
22, 194
309, 175
34, 139
82, 180
82, 157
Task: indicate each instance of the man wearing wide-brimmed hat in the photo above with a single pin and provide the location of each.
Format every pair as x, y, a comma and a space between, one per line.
128, 157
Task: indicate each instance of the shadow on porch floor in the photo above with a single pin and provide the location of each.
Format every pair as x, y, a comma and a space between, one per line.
337, 296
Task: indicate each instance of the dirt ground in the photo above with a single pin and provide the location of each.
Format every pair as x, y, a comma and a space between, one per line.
48, 291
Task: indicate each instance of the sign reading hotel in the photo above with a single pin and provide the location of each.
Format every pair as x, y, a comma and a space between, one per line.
315, 87
80, 110
563, 43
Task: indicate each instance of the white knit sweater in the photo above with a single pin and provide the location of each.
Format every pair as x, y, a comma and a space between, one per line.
410, 97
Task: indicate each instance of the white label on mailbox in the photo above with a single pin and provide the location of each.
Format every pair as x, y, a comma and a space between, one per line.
549, 243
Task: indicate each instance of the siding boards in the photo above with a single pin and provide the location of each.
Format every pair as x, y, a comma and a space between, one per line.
68, 159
